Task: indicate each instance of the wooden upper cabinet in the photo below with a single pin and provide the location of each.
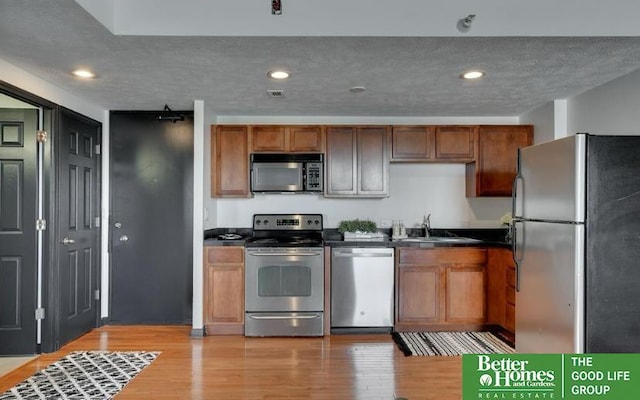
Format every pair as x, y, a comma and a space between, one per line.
341, 161
412, 144
268, 139
306, 139
373, 162
425, 143
357, 161
495, 167
455, 143
229, 161
287, 139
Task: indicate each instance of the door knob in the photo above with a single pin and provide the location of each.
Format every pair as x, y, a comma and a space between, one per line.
67, 241
124, 238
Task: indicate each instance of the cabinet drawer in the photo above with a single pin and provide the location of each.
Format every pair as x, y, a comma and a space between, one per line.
224, 255
510, 320
443, 256
511, 277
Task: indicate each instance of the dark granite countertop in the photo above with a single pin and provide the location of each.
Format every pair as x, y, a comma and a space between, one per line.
487, 238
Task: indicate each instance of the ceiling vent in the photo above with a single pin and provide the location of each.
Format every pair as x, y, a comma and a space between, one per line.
276, 93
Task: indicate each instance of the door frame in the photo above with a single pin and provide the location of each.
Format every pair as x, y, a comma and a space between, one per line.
50, 238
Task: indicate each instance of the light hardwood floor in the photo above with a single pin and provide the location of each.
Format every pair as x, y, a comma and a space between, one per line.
233, 367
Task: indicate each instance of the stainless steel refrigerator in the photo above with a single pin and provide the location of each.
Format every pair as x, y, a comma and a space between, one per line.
576, 208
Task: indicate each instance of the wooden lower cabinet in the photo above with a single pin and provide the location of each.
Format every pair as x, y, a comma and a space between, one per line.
440, 288
501, 289
224, 290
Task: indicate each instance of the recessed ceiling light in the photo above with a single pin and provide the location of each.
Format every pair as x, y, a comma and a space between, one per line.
278, 74
472, 75
84, 73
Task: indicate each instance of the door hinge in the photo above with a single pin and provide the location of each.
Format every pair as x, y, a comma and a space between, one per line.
42, 136
98, 149
39, 313
96, 222
41, 225
96, 294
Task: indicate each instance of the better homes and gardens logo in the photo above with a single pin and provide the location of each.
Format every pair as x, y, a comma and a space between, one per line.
501, 376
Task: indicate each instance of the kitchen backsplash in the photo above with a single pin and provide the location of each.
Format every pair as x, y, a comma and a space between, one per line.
415, 190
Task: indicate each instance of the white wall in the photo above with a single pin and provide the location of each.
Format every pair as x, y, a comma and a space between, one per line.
415, 190
609, 109
542, 119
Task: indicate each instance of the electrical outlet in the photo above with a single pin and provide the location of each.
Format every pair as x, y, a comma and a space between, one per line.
385, 223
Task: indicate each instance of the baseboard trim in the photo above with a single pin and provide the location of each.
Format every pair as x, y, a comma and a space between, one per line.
198, 332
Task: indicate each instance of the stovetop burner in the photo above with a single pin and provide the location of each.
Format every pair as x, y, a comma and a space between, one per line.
284, 242
286, 230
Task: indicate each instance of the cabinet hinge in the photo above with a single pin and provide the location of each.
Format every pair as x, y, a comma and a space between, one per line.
96, 222
96, 294
41, 225
39, 313
98, 149
41, 136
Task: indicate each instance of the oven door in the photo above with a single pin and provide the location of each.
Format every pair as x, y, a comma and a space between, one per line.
284, 279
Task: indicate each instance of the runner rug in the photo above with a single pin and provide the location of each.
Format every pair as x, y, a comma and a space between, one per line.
83, 375
449, 343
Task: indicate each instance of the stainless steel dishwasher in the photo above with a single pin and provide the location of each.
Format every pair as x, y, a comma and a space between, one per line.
362, 286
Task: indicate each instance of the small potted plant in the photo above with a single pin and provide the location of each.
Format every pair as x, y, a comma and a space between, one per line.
359, 229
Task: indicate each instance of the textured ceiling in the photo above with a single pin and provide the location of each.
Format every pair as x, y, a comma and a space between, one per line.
404, 76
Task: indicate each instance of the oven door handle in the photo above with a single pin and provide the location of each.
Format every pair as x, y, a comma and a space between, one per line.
267, 317
258, 253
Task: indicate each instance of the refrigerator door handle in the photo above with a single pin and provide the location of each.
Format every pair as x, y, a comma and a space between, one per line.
518, 251
514, 190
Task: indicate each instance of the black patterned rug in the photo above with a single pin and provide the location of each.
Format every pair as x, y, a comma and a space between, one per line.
83, 375
449, 343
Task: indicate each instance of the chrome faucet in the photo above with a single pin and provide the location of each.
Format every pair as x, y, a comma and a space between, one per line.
426, 225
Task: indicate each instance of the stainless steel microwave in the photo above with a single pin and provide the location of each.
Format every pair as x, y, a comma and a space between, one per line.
287, 173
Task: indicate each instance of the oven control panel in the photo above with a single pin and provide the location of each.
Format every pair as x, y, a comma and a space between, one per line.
287, 222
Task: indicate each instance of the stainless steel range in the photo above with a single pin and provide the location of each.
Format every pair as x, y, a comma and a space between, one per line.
284, 276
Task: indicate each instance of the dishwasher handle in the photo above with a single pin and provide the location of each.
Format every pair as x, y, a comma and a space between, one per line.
353, 253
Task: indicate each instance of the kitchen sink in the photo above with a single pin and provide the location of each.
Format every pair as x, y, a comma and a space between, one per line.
439, 239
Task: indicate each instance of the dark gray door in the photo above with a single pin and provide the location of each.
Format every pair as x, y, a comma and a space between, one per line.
151, 219
79, 236
18, 213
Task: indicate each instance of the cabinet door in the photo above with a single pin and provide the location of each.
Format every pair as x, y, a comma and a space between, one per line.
496, 283
465, 288
510, 294
419, 294
412, 144
341, 161
455, 143
306, 139
268, 138
373, 162
229, 161
496, 164
224, 290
